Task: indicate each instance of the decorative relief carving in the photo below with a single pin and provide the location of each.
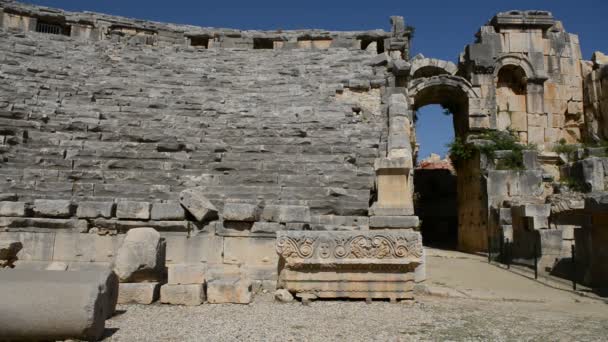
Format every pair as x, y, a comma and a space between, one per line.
349, 245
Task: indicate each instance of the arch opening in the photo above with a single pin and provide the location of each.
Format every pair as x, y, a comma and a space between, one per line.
435, 199
435, 179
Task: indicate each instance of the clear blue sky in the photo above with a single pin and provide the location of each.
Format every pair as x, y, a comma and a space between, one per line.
443, 28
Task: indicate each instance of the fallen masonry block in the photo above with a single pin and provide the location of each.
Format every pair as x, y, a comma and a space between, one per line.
351, 264
52, 208
8, 252
195, 202
190, 294
236, 290
133, 210
12, 209
55, 305
241, 212
185, 274
141, 257
138, 293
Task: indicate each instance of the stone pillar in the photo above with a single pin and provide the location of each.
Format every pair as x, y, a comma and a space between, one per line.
394, 173
394, 182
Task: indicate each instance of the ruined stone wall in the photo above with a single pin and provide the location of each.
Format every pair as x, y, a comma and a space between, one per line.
528, 69
101, 130
596, 97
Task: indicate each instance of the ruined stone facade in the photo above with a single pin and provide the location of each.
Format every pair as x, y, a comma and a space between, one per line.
221, 140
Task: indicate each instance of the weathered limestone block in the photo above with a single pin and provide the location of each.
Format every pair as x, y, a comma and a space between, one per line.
95, 209
54, 305
52, 208
33, 223
202, 248
241, 212
12, 209
286, 213
195, 202
395, 185
126, 225
402, 222
133, 210
190, 295
186, 274
167, 212
361, 264
236, 290
141, 257
8, 252
138, 293
250, 252
266, 227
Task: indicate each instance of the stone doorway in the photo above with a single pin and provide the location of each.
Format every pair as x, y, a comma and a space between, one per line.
444, 196
435, 190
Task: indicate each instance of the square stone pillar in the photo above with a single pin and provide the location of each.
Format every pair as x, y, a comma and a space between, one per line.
395, 184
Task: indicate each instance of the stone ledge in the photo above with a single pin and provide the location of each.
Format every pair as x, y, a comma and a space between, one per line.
402, 222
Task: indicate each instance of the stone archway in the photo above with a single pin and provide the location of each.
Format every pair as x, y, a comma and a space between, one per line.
519, 92
452, 92
428, 67
442, 195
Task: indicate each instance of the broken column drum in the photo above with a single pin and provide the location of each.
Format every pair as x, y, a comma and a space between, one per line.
371, 264
55, 305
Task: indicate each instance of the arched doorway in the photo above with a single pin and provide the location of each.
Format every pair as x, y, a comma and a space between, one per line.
442, 195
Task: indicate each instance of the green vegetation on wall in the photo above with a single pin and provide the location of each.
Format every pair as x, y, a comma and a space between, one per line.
497, 141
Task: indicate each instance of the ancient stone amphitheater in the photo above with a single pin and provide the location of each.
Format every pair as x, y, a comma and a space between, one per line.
201, 164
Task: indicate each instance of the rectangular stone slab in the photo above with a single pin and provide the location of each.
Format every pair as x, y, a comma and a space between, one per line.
350, 264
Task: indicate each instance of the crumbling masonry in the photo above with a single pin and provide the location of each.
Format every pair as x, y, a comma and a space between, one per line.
259, 158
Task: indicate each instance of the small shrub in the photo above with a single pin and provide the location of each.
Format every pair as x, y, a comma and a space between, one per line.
563, 148
460, 150
500, 141
574, 184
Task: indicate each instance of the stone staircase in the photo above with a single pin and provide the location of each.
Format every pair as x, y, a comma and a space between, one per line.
109, 121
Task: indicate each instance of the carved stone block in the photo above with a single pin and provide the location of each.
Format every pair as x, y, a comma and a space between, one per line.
350, 264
